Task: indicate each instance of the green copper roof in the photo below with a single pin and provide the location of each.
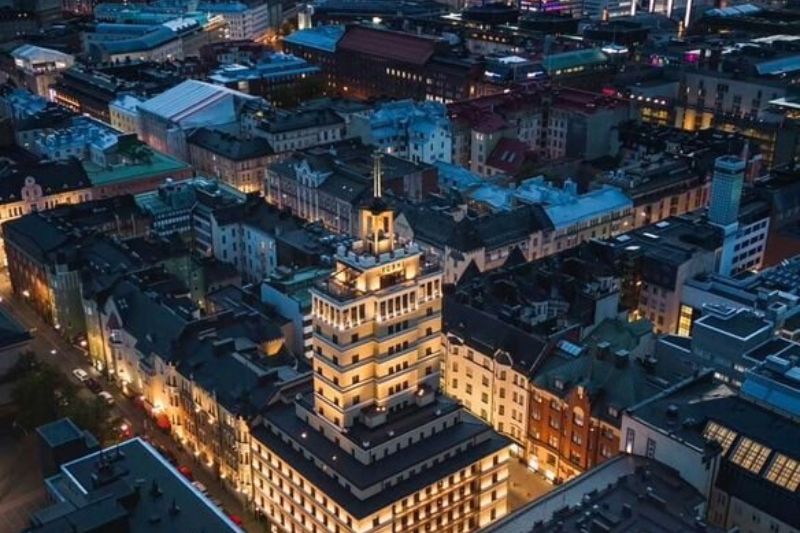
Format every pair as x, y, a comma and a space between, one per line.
576, 58
156, 163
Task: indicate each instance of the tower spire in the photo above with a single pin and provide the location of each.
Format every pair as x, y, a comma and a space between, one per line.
376, 173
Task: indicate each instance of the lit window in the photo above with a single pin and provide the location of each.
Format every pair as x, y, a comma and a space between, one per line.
785, 471
722, 435
750, 455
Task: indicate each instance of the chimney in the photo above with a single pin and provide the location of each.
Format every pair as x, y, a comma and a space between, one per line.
621, 358
603, 350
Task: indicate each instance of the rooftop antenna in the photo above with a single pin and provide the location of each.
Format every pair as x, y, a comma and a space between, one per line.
376, 173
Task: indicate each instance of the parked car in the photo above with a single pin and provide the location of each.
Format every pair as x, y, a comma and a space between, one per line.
93, 385
125, 429
199, 486
106, 397
80, 375
186, 472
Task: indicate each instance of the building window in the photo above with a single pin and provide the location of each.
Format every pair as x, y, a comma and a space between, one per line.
720, 434
630, 438
577, 417
784, 471
750, 455
651, 448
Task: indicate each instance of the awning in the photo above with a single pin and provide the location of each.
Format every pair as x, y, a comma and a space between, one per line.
162, 421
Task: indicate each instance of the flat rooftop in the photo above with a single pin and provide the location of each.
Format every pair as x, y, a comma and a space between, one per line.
741, 324
627, 493
157, 164
95, 485
59, 432
307, 441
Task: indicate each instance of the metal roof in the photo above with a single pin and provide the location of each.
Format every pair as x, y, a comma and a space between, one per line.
776, 67
35, 54
188, 97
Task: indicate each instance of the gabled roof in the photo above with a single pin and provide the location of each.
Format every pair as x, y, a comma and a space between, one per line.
508, 155
229, 146
488, 334
388, 45
468, 234
54, 177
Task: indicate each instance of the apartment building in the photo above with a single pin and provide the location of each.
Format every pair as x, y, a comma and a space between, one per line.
657, 260
419, 132
462, 239
327, 183
239, 162
297, 129
203, 380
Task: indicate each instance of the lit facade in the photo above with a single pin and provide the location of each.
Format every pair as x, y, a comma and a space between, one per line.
489, 385
373, 447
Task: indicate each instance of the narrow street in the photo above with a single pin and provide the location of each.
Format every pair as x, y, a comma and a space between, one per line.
54, 349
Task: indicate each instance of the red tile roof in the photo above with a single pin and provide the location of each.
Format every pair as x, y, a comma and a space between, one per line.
388, 44
508, 155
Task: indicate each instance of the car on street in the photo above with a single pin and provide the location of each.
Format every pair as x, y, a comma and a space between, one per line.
199, 486
80, 375
106, 397
236, 520
125, 429
186, 472
93, 385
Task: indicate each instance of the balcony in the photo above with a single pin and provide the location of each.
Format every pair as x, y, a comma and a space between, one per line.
338, 291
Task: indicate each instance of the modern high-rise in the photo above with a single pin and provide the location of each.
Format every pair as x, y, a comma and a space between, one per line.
374, 446
726, 190
723, 207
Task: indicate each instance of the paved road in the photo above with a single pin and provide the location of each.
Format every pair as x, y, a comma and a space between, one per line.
54, 349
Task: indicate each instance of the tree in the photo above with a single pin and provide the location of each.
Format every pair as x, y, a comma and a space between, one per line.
43, 394
39, 394
92, 415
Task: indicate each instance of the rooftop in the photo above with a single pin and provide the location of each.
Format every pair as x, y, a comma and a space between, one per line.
324, 38
626, 493
300, 441
565, 207
272, 66
741, 323
701, 410
100, 490
187, 98
59, 432
36, 54
229, 146
396, 46
12, 333
154, 164
556, 63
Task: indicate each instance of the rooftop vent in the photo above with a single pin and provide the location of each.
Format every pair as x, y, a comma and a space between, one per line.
672, 412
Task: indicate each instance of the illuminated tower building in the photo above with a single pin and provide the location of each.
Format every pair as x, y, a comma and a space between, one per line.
374, 446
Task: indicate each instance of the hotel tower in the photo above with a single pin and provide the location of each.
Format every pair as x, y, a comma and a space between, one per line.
374, 446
